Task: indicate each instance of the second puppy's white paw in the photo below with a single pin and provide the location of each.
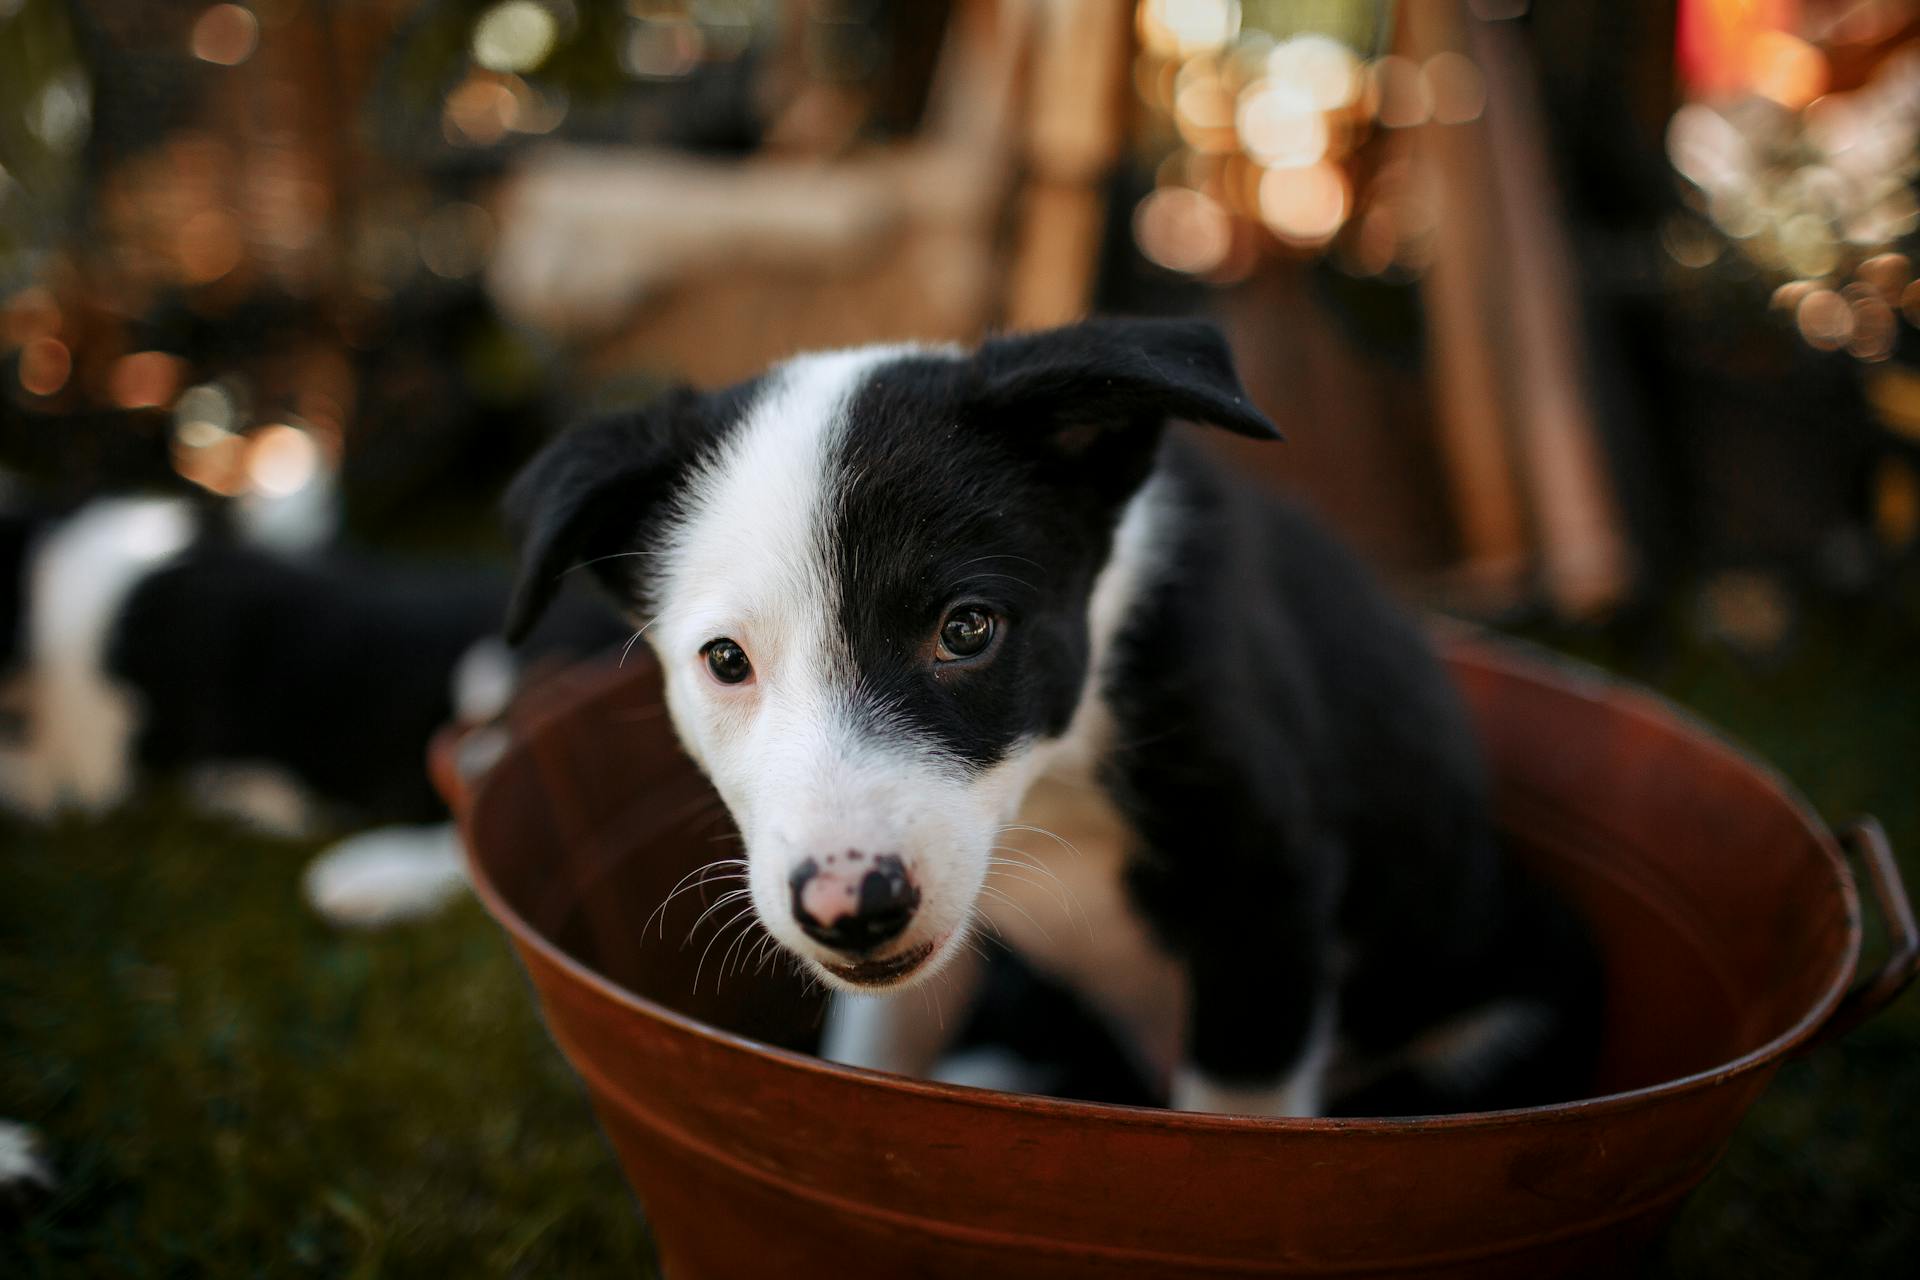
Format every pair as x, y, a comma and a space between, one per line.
386, 875
22, 1165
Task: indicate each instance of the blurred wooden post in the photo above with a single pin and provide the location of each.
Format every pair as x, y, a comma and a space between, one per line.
1462, 290
1584, 560
1530, 483
1076, 124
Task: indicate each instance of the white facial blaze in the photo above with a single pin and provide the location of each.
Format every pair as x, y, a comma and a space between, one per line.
792, 752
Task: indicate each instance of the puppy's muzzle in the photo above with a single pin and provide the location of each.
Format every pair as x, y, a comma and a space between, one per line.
852, 902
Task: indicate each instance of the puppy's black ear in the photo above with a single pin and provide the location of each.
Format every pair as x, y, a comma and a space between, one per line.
1117, 372
587, 495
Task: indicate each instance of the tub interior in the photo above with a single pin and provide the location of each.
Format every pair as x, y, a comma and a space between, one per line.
1720, 916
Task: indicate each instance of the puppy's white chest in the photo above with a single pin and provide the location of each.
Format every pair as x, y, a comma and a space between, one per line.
1059, 899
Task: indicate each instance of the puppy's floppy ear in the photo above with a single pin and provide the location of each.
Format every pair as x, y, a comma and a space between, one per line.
1117, 372
583, 496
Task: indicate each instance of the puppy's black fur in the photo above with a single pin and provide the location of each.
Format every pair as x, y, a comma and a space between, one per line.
1341, 833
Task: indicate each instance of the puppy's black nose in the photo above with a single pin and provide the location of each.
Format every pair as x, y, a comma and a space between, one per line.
852, 902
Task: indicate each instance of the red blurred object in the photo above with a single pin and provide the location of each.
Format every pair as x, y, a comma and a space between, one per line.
1713, 42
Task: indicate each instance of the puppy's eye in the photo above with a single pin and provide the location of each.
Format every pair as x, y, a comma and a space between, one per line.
727, 661
966, 633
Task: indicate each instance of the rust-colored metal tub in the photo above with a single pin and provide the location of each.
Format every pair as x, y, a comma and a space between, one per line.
1727, 914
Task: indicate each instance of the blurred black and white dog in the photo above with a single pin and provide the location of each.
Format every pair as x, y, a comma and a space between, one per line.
972, 639
292, 687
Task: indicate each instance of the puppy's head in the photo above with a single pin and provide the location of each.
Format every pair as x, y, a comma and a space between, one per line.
868, 576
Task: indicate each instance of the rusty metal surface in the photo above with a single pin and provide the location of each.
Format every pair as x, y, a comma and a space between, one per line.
1728, 918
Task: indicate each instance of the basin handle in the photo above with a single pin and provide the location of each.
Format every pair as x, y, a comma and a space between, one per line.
1867, 840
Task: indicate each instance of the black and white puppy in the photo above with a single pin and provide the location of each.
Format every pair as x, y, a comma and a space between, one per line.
139, 636
971, 639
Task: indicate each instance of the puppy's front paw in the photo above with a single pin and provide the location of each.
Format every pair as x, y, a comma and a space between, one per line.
1299, 1094
386, 875
23, 1165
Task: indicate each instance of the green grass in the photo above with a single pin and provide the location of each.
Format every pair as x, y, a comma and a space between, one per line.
229, 1087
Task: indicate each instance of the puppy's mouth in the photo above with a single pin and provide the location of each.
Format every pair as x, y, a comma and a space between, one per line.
881, 973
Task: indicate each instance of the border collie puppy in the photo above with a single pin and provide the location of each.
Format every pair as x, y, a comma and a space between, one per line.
972, 640
284, 687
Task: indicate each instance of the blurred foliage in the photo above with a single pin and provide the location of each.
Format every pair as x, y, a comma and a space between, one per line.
431, 52
45, 110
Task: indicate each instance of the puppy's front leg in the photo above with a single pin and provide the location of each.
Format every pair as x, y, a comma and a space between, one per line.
1259, 1039
904, 1032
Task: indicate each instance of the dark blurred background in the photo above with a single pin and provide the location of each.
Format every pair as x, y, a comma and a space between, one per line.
1595, 321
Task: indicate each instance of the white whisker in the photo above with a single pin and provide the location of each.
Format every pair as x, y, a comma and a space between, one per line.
635, 638
987, 888
616, 555
1030, 863
718, 934
978, 937
725, 899
681, 886
742, 937
1053, 886
766, 952
1061, 892
1042, 831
